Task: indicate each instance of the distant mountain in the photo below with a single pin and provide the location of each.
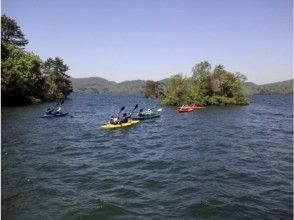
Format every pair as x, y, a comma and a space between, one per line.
133, 86
101, 85
91, 84
250, 88
283, 88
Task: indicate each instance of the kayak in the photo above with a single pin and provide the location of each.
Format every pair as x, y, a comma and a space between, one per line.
196, 106
124, 125
143, 117
54, 115
193, 106
187, 109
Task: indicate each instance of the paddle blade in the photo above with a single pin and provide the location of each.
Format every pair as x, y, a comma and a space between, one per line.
136, 106
159, 110
122, 108
61, 102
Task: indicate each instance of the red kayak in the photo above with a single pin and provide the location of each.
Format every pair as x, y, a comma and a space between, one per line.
196, 106
184, 109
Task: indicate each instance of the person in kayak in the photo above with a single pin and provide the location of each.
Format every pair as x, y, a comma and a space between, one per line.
58, 110
113, 120
141, 113
124, 119
49, 111
148, 112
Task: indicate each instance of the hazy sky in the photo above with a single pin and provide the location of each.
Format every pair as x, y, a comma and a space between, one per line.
152, 39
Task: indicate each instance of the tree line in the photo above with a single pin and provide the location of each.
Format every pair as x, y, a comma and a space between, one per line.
205, 87
25, 78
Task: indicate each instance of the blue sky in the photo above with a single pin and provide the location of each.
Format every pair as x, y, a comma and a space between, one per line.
125, 40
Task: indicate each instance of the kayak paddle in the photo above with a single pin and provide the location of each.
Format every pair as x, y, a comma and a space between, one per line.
136, 106
121, 109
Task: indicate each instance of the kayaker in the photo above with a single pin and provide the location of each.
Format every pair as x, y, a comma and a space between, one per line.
113, 120
141, 113
49, 111
58, 111
124, 118
148, 112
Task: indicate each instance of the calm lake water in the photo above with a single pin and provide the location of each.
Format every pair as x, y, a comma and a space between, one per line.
215, 163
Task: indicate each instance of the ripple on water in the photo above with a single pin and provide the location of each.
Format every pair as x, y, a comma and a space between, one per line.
200, 165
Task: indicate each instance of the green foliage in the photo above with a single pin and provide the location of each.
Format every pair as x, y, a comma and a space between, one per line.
201, 77
206, 87
175, 90
21, 77
51, 91
24, 78
56, 69
201, 70
11, 32
152, 89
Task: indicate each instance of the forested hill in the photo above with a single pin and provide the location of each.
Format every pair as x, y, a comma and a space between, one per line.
101, 85
278, 88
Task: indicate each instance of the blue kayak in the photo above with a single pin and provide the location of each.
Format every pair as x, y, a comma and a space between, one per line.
54, 115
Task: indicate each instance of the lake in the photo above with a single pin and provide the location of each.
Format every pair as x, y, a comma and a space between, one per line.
216, 163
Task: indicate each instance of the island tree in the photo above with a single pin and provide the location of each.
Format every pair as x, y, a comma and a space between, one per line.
152, 89
206, 87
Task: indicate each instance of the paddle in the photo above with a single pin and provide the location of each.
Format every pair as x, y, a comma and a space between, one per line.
121, 109
158, 110
53, 109
58, 105
136, 106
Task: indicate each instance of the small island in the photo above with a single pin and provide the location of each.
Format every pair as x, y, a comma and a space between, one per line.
205, 87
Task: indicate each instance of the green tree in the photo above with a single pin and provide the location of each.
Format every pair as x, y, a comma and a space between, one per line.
200, 76
21, 78
152, 89
206, 87
56, 70
201, 70
216, 80
11, 32
175, 90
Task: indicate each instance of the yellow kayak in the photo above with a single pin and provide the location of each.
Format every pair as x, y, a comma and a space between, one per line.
124, 125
